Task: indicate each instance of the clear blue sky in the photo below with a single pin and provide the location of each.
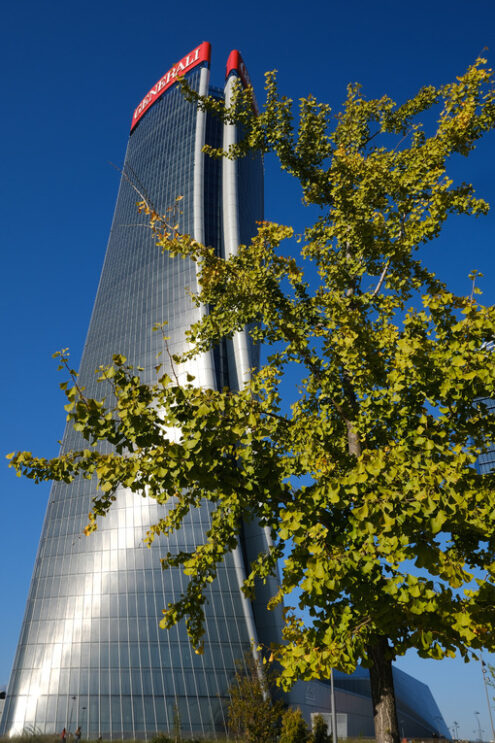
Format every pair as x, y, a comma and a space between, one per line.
72, 74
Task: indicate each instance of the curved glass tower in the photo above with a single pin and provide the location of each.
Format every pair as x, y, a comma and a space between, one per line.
90, 651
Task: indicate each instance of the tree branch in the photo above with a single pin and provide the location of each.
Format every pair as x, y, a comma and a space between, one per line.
381, 279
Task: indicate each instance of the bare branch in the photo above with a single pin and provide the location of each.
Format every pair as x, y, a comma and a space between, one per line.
171, 359
381, 279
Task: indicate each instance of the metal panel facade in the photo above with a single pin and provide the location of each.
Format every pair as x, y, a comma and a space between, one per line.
90, 651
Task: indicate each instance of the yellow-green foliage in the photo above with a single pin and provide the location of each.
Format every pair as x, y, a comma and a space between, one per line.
367, 479
294, 728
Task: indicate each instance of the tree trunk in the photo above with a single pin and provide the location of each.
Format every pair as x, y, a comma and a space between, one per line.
382, 692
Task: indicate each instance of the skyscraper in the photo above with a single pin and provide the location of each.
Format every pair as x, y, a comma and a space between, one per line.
90, 651
486, 460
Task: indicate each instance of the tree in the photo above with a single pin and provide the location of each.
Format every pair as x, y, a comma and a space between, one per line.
320, 732
252, 714
367, 480
294, 728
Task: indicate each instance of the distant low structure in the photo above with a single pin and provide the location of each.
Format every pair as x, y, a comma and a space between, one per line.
417, 711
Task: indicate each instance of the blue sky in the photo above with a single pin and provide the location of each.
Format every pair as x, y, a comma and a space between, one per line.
73, 73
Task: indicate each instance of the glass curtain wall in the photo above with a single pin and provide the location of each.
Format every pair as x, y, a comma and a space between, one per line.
90, 651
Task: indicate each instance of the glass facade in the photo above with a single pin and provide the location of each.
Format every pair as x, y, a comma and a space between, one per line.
90, 651
486, 461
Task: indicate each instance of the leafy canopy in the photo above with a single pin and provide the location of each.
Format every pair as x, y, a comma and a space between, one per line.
367, 480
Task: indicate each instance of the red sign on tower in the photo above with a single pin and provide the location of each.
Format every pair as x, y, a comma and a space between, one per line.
202, 53
236, 62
